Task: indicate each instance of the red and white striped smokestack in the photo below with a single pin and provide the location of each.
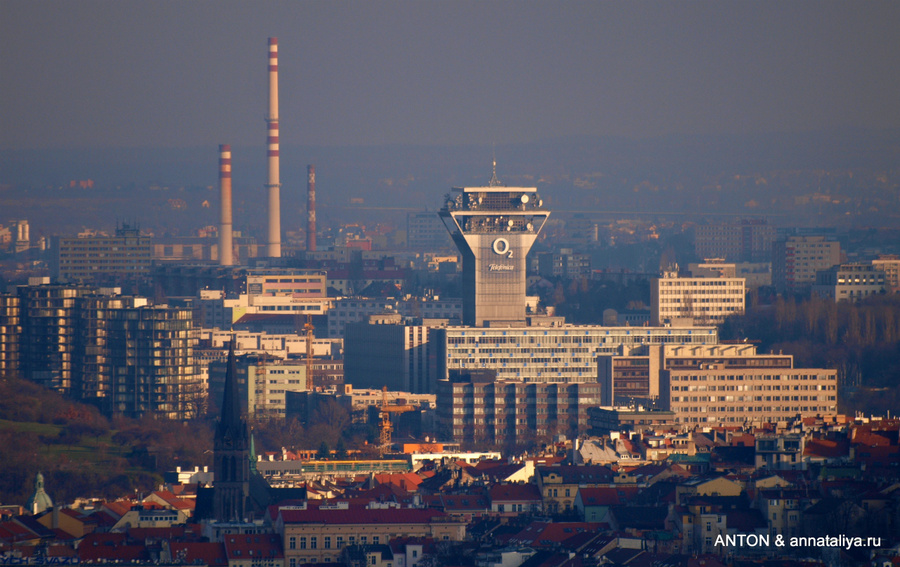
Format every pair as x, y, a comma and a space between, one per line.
274, 181
311, 208
226, 257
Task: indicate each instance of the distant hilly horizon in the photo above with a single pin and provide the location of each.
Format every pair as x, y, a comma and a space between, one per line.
577, 173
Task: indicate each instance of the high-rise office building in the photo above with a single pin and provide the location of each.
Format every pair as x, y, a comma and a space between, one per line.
796, 259
494, 227
49, 330
744, 241
119, 353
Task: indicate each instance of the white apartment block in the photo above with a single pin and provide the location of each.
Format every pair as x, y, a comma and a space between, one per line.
714, 394
703, 301
850, 282
565, 353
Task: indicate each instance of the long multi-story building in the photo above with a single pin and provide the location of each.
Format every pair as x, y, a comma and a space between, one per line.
565, 353
797, 259
476, 408
267, 292
716, 384
698, 301
318, 535
731, 384
98, 258
755, 274
415, 357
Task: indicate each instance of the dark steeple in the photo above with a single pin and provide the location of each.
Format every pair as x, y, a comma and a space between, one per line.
231, 424
232, 453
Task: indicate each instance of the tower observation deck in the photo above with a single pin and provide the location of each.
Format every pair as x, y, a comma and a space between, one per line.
494, 227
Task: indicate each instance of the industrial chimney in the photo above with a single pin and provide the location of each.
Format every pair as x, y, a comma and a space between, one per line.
226, 257
311, 208
274, 182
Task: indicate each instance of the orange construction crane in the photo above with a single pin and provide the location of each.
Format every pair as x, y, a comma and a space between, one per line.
308, 327
386, 426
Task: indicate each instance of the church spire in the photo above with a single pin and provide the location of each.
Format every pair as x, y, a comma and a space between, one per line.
231, 425
39, 501
231, 452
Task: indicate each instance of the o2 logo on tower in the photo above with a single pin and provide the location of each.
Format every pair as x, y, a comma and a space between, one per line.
501, 248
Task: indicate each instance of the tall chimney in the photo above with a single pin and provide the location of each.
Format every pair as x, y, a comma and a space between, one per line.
311, 208
274, 182
226, 257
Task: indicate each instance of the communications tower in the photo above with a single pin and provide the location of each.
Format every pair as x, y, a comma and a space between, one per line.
494, 227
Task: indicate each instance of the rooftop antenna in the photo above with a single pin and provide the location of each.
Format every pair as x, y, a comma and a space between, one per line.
494, 182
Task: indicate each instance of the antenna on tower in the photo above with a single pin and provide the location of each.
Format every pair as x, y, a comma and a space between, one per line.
494, 182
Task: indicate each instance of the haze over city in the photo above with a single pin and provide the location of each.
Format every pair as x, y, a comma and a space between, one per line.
179, 74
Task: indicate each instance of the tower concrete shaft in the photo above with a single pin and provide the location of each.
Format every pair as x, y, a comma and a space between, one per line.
311, 208
274, 179
226, 254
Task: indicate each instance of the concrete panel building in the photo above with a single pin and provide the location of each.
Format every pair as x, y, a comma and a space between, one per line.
797, 259
741, 389
476, 408
387, 352
702, 301
744, 241
93, 259
850, 282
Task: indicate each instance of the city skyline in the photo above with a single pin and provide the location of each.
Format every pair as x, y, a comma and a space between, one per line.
140, 74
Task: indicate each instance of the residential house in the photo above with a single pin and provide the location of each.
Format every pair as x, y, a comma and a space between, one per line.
319, 535
559, 484
514, 499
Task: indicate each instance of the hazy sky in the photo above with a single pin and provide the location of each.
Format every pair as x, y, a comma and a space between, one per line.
80, 74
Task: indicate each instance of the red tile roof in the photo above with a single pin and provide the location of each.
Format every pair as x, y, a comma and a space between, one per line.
826, 448
253, 546
542, 534
514, 493
208, 553
175, 502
